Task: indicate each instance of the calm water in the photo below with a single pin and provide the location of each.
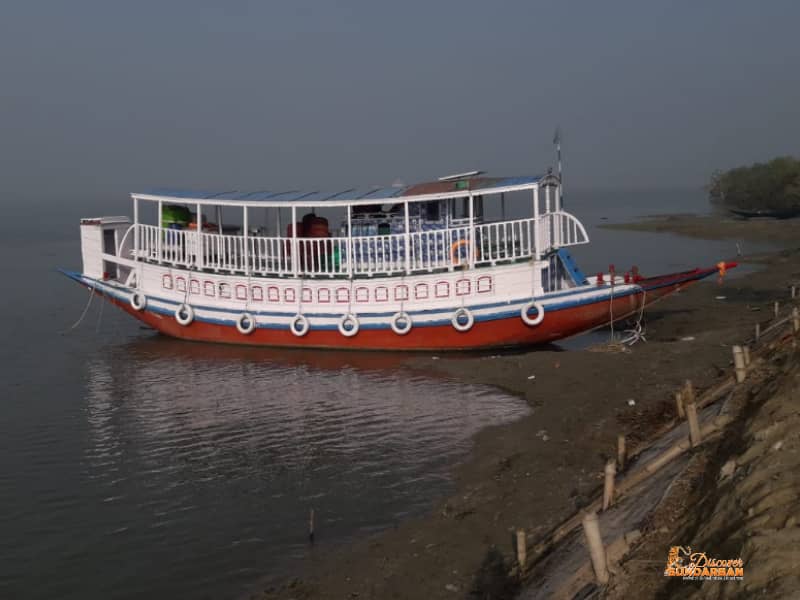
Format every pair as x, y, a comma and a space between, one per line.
132, 465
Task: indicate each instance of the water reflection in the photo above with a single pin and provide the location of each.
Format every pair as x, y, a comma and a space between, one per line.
205, 459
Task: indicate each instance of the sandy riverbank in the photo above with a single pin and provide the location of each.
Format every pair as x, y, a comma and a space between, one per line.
538, 471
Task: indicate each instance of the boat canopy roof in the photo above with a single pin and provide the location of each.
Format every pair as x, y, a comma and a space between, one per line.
420, 192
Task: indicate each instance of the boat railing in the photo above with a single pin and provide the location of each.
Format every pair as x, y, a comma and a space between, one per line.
418, 251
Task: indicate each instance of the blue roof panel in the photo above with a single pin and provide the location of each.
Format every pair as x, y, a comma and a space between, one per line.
367, 193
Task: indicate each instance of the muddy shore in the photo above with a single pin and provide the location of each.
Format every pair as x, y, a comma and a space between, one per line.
538, 471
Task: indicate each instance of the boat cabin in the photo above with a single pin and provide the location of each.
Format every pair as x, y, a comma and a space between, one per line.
464, 221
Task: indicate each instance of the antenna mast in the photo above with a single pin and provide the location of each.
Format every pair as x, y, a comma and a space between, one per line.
557, 143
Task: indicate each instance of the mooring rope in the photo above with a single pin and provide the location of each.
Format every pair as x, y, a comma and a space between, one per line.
83, 314
637, 333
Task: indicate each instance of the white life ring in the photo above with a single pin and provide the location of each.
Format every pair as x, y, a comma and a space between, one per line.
354, 325
539, 313
138, 301
401, 317
245, 324
184, 314
300, 320
456, 319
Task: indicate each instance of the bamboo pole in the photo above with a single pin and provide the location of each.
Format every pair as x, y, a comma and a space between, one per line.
608, 488
634, 479
679, 404
522, 549
591, 529
621, 451
795, 320
694, 426
670, 454
688, 393
739, 364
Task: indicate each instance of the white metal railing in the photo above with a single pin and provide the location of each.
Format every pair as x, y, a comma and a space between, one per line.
559, 229
486, 243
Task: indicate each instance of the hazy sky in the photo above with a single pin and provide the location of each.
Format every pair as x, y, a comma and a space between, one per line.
105, 97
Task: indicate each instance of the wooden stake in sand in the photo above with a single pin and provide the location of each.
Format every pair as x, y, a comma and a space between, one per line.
694, 425
608, 488
739, 364
758, 331
679, 404
777, 308
311, 526
795, 320
688, 392
591, 529
621, 456
746, 354
522, 549
794, 291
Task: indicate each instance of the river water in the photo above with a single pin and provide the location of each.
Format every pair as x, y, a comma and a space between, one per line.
137, 466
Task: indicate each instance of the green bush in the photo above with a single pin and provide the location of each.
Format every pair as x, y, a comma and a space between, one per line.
772, 187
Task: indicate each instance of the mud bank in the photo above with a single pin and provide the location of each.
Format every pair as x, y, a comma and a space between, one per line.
738, 498
537, 472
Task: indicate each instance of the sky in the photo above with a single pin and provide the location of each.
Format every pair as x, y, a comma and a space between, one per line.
99, 98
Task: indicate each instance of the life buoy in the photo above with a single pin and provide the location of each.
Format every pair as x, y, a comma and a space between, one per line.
343, 325
299, 325
401, 323
455, 246
184, 314
138, 301
245, 324
539, 313
458, 317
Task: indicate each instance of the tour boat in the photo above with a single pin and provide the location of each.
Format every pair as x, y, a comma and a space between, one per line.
433, 266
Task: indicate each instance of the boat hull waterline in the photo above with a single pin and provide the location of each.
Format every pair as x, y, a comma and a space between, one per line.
497, 325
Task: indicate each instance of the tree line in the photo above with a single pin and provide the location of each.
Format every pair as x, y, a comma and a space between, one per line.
771, 188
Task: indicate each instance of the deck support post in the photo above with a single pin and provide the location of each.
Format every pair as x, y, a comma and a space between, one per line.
198, 246
160, 238
136, 228
407, 239
471, 247
350, 239
245, 242
537, 248
295, 261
